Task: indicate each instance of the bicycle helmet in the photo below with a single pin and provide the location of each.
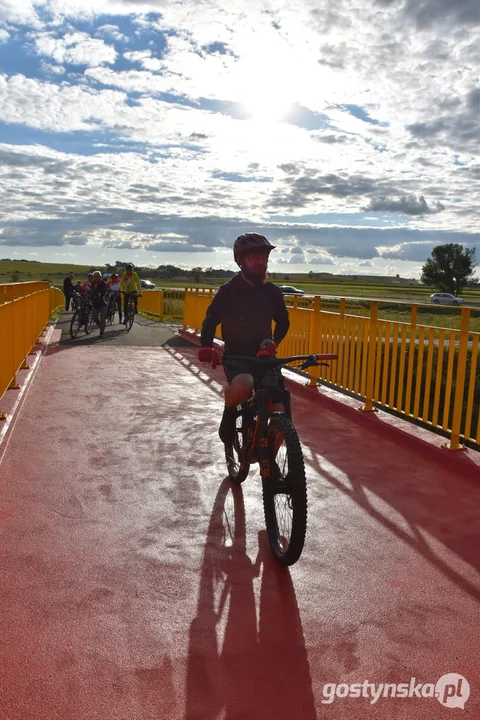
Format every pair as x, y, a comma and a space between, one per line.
250, 243
128, 267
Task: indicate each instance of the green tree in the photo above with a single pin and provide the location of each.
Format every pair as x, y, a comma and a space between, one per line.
196, 274
450, 268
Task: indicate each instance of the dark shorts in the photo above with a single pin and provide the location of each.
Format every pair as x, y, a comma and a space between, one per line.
239, 368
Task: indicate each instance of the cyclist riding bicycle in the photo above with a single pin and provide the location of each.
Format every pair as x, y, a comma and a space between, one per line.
114, 297
130, 283
245, 306
87, 283
97, 295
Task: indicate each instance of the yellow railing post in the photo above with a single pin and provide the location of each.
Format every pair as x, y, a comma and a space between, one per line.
315, 339
459, 383
371, 355
160, 305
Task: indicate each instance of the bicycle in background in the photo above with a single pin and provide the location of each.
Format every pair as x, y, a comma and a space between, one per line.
82, 314
130, 308
269, 436
114, 299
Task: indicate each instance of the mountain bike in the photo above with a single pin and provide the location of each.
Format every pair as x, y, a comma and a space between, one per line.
268, 436
130, 309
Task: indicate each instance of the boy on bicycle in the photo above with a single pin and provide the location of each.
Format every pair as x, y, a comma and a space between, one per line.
245, 306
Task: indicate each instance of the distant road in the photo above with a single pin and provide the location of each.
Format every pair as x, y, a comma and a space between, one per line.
391, 300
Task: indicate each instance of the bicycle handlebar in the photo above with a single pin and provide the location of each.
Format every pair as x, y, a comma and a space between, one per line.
273, 362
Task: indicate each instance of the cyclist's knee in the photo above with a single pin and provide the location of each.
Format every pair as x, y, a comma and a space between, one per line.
239, 390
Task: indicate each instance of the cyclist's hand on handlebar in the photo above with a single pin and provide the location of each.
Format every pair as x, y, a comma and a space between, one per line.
208, 354
205, 354
268, 348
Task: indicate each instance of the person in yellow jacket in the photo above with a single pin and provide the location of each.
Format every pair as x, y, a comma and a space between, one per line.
130, 283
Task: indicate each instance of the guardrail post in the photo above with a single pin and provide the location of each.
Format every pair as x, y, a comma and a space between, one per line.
459, 383
160, 305
315, 335
371, 355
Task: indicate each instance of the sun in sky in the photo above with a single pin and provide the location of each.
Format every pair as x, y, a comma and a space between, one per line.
264, 78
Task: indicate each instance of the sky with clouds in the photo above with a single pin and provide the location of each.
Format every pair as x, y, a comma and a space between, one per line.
346, 131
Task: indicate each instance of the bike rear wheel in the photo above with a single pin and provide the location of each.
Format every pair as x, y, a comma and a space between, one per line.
236, 455
285, 492
75, 323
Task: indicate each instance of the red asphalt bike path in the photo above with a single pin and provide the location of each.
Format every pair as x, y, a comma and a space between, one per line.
137, 584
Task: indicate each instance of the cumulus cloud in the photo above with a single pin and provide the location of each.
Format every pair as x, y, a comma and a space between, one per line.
443, 12
321, 260
406, 205
75, 48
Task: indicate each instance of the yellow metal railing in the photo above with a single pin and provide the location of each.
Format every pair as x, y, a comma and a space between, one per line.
163, 304
25, 309
425, 374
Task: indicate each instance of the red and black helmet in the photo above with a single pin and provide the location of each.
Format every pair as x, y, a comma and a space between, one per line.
250, 243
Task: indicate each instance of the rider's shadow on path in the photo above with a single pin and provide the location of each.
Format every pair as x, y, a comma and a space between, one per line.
244, 662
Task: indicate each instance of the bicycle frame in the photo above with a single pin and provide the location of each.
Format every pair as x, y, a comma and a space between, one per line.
264, 397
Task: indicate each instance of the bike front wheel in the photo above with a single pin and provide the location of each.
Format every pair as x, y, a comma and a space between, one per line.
285, 492
75, 324
236, 455
89, 323
130, 315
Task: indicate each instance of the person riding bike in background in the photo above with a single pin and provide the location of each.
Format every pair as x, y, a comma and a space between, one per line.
87, 283
130, 283
97, 295
245, 306
114, 297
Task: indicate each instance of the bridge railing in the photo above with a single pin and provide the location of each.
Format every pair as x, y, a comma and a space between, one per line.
166, 305
428, 375
25, 309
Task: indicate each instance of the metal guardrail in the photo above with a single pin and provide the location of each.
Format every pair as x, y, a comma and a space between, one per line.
425, 374
163, 304
25, 309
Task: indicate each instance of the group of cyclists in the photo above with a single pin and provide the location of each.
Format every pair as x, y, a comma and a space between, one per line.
103, 293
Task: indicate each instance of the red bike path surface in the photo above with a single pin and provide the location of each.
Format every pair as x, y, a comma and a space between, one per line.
137, 583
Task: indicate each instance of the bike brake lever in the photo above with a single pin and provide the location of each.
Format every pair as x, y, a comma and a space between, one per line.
310, 363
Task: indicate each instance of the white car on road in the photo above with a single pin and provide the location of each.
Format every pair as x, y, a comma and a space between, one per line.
446, 299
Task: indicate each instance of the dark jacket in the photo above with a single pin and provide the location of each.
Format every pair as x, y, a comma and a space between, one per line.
67, 286
97, 293
246, 313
